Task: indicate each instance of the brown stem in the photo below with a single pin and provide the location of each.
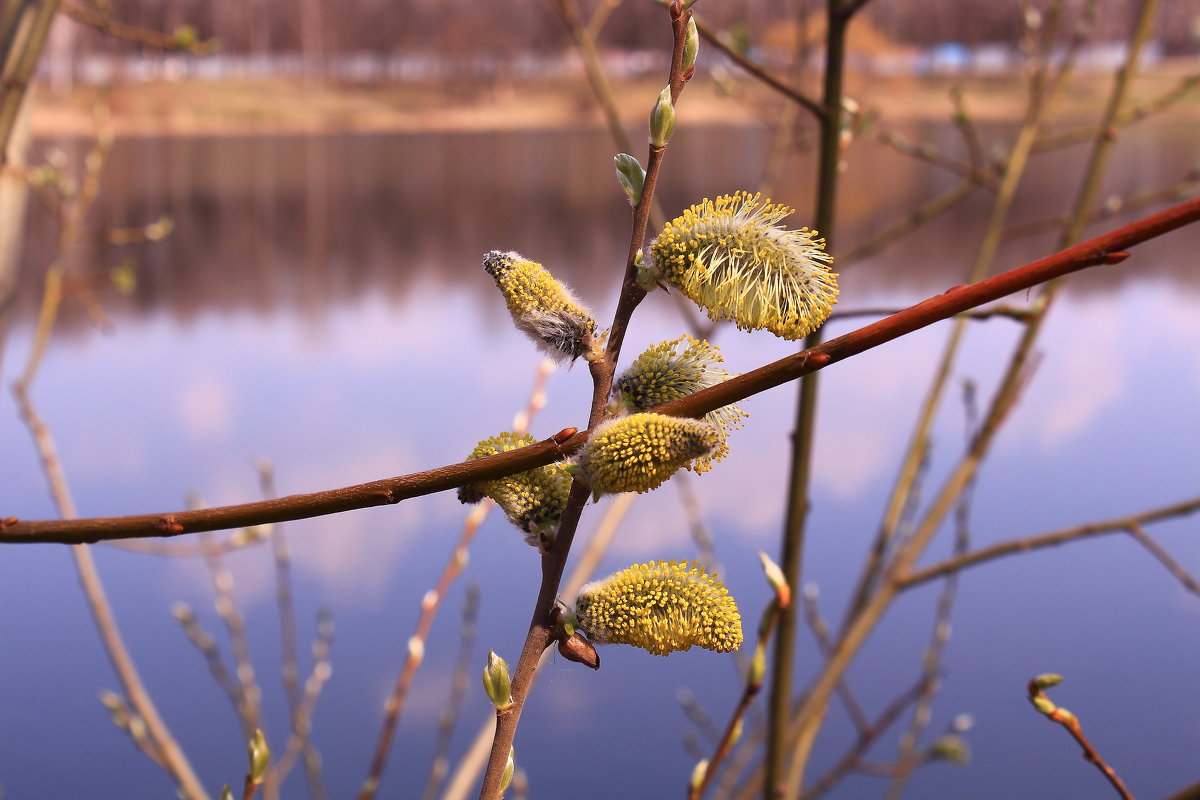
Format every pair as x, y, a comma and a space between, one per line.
1106, 249
541, 629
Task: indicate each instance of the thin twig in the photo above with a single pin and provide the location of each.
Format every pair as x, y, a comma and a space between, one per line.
289, 658
1052, 539
169, 754
105, 23
458, 689
1070, 722
250, 695
820, 631
796, 96
853, 756
1174, 567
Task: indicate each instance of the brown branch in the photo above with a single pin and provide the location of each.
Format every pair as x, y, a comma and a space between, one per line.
1106, 249
1174, 567
1052, 539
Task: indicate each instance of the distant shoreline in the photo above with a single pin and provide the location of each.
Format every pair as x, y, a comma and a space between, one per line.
292, 106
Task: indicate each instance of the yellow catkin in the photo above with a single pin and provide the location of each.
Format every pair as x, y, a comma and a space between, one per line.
661, 607
532, 500
671, 370
730, 257
542, 308
640, 452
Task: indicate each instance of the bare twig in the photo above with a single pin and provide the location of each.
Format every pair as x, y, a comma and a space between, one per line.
798, 97
458, 689
1174, 567
1051, 539
183, 39
1070, 722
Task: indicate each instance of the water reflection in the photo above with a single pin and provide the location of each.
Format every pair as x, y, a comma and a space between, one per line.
310, 223
321, 302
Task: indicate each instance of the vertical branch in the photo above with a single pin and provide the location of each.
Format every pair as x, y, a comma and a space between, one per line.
22, 48
289, 653
458, 689
799, 484
541, 629
861, 624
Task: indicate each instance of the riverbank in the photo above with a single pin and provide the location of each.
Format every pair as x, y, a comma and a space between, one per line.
280, 105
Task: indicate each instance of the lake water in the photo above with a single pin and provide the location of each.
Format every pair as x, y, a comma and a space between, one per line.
321, 304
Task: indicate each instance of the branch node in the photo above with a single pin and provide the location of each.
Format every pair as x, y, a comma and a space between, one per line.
564, 436
168, 524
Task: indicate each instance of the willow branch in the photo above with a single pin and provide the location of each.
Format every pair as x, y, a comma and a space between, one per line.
767, 79
1106, 249
1174, 567
1041, 541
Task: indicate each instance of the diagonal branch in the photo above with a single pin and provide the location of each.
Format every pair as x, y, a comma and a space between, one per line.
1106, 249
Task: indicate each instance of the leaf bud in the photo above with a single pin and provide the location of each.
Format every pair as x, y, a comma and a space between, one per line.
631, 176
497, 683
662, 119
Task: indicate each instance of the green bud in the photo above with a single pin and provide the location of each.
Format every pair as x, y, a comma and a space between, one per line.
950, 748
691, 45
662, 119
226, 792
1043, 704
775, 577
185, 37
509, 767
699, 772
260, 757
1046, 680
738, 728
631, 175
758, 666
497, 683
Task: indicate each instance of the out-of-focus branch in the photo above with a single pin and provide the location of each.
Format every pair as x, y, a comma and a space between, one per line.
182, 39
1052, 539
767, 79
1070, 722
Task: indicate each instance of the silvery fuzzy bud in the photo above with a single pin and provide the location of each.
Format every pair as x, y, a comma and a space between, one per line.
662, 119
497, 683
542, 307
